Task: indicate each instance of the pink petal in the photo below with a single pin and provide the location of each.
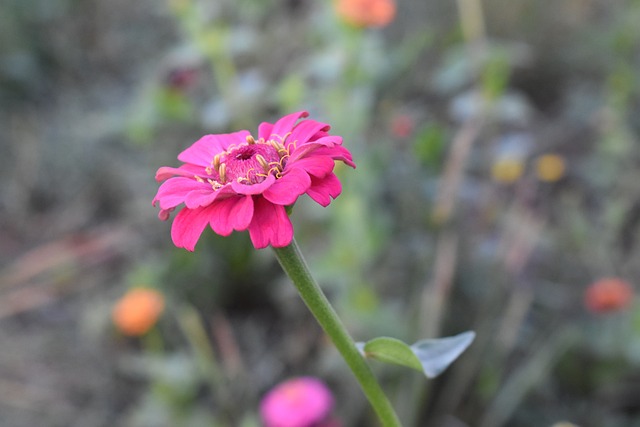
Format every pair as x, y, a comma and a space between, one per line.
233, 213
189, 171
282, 127
336, 153
317, 166
322, 190
188, 225
305, 130
264, 130
202, 151
174, 190
204, 197
254, 188
270, 225
304, 149
164, 214
242, 213
286, 190
196, 199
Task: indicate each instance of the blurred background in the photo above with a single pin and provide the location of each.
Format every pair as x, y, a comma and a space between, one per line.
496, 191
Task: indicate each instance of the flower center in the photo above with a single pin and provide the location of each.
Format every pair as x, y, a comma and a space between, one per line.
248, 163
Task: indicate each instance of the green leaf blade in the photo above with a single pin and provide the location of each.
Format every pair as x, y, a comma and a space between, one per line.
429, 356
391, 350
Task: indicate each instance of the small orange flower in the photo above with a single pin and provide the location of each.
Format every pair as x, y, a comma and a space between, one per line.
608, 295
366, 13
550, 167
137, 311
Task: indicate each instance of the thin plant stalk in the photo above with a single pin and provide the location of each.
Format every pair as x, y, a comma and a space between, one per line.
296, 268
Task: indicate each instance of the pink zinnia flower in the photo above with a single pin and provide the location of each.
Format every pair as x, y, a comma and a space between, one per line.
236, 182
299, 402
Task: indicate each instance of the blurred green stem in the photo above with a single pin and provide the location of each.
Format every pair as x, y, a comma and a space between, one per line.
296, 268
471, 20
197, 336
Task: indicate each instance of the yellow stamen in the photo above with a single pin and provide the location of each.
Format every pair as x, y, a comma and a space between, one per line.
250, 140
274, 170
222, 170
276, 145
262, 162
282, 138
198, 179
216, 162
214, 184
285, 138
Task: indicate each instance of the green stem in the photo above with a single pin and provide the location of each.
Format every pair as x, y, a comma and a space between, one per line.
294, 265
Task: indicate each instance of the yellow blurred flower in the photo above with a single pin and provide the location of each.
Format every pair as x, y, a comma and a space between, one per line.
137, 311
507, 170
550, 167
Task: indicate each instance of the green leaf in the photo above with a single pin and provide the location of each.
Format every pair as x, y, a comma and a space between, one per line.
430, 144
430, 356
391, 350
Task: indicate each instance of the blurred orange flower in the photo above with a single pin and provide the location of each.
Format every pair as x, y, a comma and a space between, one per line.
608, 295
366, 13
137, 311
550, 167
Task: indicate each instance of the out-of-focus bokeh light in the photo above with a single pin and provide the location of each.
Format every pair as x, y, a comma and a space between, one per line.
507, 170
608, 295
550, 167
138, 311
366, 13
298, 402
